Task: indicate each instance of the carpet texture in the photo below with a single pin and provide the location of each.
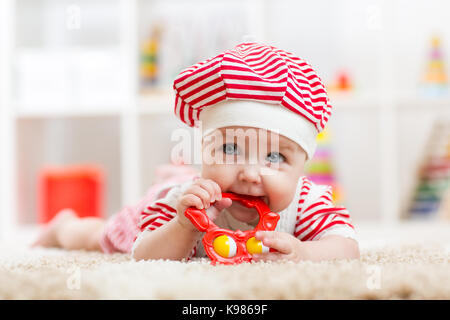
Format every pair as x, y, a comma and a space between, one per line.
414, 264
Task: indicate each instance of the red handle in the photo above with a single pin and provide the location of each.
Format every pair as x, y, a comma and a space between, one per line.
199, 218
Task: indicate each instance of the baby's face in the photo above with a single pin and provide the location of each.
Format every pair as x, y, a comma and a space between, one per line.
252, 161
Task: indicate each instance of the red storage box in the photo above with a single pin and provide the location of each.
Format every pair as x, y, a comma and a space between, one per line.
76, 187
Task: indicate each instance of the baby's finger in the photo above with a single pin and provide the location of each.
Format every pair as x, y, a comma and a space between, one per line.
218, 206
223, 204
191, 200
202, 193
217, 189
213, 188
275, 240
208, 185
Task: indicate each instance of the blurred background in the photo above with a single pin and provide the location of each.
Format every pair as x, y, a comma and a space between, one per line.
86, 109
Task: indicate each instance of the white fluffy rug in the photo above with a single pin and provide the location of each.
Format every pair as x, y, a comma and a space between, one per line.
404, 262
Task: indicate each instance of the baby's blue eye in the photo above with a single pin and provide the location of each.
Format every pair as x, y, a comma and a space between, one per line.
230, 148
275, 157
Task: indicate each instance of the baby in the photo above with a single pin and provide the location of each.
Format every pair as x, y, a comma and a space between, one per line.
260, 109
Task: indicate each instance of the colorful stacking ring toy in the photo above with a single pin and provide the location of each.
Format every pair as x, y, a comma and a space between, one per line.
231, 247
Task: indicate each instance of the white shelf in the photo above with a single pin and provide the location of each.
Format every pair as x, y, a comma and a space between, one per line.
8, 197
357, 102
351, 101
160, 102
67, 111
439, 105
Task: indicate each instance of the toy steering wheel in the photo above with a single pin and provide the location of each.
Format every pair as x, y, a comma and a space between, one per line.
230, 247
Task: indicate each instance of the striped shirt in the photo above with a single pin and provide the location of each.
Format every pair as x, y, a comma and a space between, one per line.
310, 216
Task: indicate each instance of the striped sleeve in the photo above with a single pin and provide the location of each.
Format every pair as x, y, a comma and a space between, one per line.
318, 216
160, 211
156, 215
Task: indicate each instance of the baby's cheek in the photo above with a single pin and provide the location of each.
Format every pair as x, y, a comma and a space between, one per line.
208, 156
267, 171
281, 190
218, 173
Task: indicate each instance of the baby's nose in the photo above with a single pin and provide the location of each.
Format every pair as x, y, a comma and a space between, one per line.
250, 173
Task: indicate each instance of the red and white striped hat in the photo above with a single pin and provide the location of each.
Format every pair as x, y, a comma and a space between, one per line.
254, 85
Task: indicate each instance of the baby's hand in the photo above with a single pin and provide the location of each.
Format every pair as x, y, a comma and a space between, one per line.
286, 245
200, 195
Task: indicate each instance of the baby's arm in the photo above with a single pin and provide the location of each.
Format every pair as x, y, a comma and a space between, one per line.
322, 230
290, 248
171, 241
331, 247
176, 239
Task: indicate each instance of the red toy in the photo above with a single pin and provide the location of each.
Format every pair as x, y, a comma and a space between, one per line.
79, 188
231, 247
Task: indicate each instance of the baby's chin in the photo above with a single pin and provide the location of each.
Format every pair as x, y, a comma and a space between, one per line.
246, 215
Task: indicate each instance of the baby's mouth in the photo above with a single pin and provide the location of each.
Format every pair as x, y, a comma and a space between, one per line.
265, 199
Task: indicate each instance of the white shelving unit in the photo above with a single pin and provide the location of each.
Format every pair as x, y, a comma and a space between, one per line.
7, 124
126, 125
39, 121
20, 118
